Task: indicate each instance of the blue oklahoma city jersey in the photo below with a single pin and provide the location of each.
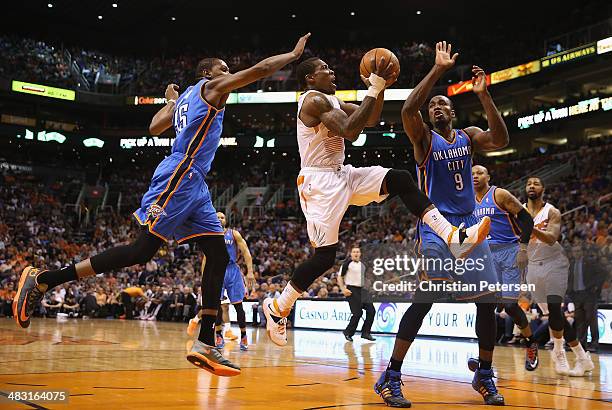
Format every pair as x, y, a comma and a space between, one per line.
503, 227
198, 127
446, 174
230, 242
178, 203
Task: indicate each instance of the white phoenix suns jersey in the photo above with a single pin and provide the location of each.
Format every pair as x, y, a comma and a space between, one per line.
318, 146
537, 250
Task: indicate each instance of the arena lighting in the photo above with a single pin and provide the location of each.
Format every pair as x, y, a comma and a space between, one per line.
604, 46
99, 17
44, 136
93, 142
552, 141
50, 5
419, 12
360, 141
115, 5
280, 97
500, 153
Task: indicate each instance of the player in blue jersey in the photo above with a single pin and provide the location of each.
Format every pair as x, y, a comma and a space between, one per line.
511, 227
177, 204
444, 165
233, 283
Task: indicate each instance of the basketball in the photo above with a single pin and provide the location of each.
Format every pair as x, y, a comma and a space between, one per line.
378, 54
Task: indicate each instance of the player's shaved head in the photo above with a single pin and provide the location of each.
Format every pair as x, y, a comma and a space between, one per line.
481, 178
222, 219
305, 68
445, 98
205, 67
481, 169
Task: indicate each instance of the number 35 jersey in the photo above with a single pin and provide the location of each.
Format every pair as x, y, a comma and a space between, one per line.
446, 174
198, 127
318, 146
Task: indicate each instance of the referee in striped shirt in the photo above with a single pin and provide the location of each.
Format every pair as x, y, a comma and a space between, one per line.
351, 279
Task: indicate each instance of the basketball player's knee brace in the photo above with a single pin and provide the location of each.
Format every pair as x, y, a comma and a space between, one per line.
241, 316
517, 315
400, 182
412, 320
555, 314
308, 271
485, 326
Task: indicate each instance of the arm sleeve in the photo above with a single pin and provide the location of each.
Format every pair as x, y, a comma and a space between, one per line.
525, 222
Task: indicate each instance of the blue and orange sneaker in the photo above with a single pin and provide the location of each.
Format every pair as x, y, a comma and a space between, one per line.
483, 383
29, 294
389, 387
244, 344
210, 359
219, 341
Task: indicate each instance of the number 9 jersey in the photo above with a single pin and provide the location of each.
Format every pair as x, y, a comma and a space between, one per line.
446, 174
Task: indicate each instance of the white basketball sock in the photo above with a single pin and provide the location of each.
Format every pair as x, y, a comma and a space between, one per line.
287, 299
438, 223
557, 344
579, 351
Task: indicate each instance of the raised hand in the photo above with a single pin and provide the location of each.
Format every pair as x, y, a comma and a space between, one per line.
172, 92
300, 45
443, 55
479, 80
383, 70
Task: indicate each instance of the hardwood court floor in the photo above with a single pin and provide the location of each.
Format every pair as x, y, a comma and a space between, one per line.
112, 364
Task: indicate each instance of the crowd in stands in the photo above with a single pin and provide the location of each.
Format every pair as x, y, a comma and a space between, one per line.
36, 229
49, 62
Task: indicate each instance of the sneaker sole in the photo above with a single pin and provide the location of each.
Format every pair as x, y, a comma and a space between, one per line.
22, 279
377, 391
482, 235
269, 320
217, 369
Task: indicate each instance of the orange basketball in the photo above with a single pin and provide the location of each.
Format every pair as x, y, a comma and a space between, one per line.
378, 54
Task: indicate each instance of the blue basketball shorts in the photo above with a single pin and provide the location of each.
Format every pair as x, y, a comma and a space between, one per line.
233, 283
440, 264
178, 204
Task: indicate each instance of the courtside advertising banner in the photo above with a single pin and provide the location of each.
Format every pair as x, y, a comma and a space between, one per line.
444, 319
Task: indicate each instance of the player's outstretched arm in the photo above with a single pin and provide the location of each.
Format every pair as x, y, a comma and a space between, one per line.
496, 136
162, 120
415, 128
553, 229
511, 204
248, 259
228, 83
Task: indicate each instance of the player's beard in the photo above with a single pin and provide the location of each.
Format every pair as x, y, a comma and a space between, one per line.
534, 196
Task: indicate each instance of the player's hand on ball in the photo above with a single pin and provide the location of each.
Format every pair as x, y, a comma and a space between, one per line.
347, 292
299, 47
172, 92
479, 80
443, 55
